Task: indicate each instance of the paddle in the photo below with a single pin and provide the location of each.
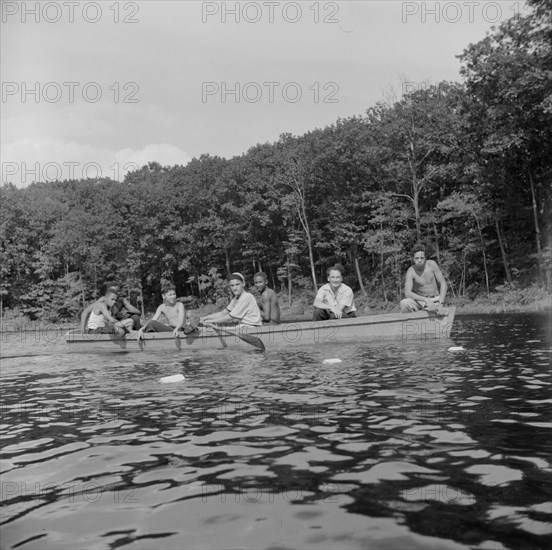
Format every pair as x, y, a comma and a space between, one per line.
252, 340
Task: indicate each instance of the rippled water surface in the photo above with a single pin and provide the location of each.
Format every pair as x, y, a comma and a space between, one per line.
398, 446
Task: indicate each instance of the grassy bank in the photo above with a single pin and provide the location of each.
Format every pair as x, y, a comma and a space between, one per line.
532, 299
503, 300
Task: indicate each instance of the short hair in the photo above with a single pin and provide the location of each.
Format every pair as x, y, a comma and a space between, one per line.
167, 287
112, 286
336, 267
261, 274
419, 247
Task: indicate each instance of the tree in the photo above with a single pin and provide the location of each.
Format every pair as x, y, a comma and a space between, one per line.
417, 141
509, 83
468, 204
294, 180
386, 236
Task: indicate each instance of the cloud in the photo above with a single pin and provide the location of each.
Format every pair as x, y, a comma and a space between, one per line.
49, 159
164, 153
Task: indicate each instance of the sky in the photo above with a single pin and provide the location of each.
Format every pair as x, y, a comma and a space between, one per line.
95, 89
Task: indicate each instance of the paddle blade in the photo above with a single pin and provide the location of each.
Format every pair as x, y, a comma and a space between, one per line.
251, 340
257, 342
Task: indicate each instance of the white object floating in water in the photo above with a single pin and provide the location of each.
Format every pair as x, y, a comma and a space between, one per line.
331, 361
456, 348
170, 379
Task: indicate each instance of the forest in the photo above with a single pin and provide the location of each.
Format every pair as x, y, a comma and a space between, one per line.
465, 167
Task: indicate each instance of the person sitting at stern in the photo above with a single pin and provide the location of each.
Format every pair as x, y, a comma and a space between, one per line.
420, 287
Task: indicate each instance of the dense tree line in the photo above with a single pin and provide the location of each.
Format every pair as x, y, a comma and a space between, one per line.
464, 166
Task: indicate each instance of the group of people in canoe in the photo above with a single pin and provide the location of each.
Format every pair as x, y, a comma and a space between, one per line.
425, 288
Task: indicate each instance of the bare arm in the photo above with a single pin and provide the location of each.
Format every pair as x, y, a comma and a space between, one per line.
219, 317
130, 308
84, 316
443, 287
265, 306
156, 316
274, 308
158, 312
105, 312
408, 292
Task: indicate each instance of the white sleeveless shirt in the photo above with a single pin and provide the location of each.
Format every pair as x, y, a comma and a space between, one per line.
95, 321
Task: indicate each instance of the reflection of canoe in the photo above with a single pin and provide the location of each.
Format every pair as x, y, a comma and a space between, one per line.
390, 326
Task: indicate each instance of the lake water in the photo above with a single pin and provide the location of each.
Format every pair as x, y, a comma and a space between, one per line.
399, 446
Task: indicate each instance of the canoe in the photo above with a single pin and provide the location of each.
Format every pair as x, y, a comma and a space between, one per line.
421, 325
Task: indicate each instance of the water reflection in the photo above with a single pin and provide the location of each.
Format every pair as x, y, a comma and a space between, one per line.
396, 446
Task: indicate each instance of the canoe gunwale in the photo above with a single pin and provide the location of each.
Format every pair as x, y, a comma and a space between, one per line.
375, 327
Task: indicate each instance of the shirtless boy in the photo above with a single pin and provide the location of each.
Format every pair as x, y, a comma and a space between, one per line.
269, 305
172, 310
422, 280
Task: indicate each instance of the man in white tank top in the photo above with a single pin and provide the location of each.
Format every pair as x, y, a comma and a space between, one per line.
101, 321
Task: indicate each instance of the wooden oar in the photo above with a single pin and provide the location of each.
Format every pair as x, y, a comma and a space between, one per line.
252, 340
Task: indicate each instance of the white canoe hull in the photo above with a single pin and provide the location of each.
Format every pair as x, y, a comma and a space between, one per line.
421, 325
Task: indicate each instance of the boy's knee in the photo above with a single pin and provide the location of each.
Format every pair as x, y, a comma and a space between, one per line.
320, 314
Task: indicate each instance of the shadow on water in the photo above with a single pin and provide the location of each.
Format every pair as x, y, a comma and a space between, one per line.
396, 446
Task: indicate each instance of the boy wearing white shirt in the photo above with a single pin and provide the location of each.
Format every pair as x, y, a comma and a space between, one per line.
334, 300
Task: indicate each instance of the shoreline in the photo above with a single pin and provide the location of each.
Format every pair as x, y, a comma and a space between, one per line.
470, 309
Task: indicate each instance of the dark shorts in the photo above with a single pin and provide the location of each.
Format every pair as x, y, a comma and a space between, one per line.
108, 329
156, 326
326, 314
